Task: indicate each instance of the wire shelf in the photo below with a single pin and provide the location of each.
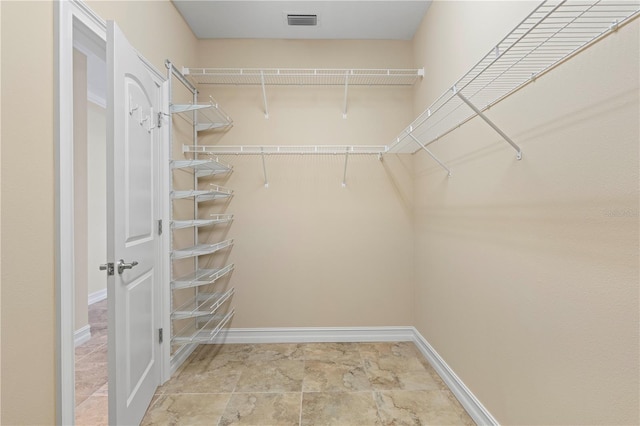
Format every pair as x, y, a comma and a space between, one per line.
200, 250
202, 195
197, 223
202, 304
203, 335
285, 149
553, 32
203, 167
302, 77
201, 277
205, 116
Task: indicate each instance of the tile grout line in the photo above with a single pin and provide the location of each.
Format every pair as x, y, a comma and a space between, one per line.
304, 367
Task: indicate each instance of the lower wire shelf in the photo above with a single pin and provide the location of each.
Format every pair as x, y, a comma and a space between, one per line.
203, 335
202, 304
201, 277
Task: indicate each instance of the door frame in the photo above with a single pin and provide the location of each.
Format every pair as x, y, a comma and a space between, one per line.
67, 15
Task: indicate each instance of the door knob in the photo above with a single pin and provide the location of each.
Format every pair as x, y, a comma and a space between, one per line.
122, 265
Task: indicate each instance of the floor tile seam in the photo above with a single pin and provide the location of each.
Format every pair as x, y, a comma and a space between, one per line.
300, 409
80, 364
99, 347
87, 400
342, 392
90, 387
224, 410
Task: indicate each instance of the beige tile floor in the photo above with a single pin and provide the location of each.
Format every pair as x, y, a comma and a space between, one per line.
280, 384
306, 384
91, 370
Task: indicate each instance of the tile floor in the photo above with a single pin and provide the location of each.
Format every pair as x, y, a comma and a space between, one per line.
306, 384
317, 384
91, 371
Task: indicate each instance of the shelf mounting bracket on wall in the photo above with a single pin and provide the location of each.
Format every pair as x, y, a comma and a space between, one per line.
489, 122
428, 152
264, 95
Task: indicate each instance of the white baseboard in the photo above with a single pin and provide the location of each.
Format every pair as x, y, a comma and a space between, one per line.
471, 404
311, 335
82, 335
467, 399
98, 296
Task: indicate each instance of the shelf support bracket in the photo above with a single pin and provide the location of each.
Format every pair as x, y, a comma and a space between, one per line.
264, 95
344, 176
346, 93
430, 153
264, 169
489, 122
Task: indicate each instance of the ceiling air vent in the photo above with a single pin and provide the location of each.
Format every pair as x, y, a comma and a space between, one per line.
302, 20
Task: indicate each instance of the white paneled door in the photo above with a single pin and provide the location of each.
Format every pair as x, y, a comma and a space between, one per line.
134, 99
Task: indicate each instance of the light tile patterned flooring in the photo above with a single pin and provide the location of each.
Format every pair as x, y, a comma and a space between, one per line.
279, 384
306, 384
91, 370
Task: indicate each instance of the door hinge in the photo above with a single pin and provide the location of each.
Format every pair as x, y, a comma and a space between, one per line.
160, 337
160, 227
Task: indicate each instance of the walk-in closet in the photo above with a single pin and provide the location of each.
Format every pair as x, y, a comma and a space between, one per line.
320, 212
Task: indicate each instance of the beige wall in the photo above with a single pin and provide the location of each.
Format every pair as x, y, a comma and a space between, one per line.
154, 28
0, 215
308, 252
27, 214
527, 279
28, 245
97, 197
80, 189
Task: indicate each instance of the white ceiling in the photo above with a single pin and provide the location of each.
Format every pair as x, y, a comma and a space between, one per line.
337, 19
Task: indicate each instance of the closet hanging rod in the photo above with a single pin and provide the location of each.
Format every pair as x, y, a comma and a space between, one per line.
286, 150
552, 33
304, 76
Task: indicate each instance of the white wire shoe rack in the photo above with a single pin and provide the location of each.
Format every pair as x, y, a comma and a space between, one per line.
199, 301
552, 33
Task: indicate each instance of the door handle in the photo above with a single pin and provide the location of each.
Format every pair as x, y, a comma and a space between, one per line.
122, 266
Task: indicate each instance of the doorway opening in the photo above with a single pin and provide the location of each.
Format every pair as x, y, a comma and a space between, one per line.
90, 227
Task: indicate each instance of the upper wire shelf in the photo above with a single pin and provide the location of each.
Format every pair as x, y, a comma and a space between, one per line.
299, 76
203, 167
205, 116
553, 32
